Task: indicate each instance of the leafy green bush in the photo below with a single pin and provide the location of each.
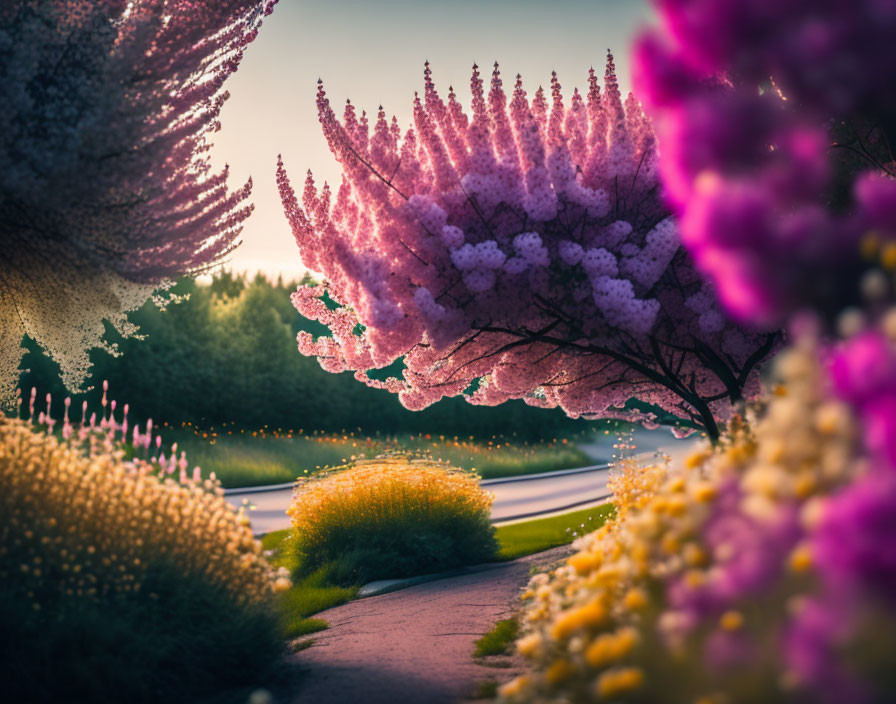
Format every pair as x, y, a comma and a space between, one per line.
498, 640
390, 518
118, 586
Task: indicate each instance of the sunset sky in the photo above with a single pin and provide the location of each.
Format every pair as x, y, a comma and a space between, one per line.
373, 52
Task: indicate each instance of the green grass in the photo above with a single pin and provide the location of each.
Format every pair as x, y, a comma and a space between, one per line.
528, 537
311, 595
486, 690
307, 596
240, 458
498, 640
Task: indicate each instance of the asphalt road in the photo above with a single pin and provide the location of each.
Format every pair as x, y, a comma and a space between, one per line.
515, 498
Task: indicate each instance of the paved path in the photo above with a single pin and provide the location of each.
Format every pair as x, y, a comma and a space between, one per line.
414, 646
515, 498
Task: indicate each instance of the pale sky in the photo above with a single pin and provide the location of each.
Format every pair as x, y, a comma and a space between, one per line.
373, 52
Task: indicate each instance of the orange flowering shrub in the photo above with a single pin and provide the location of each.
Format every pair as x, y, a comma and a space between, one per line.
391, 517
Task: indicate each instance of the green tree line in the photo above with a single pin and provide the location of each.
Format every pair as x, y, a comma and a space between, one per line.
226, 353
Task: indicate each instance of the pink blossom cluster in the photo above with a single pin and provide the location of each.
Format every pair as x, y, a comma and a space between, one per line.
776, 124
521, 251
107, 107
111, 432
853, 546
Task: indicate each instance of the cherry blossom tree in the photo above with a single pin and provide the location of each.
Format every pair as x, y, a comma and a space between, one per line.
106, 190
522, 251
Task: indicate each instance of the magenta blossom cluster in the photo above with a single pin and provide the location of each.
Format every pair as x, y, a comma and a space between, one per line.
777, 127
863, 372
750, 556
842, 638
522, 251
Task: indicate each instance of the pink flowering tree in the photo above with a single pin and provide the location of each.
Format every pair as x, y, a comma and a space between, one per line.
521, 252
106, 190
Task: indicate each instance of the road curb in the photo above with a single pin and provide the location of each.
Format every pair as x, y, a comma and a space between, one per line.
258, 489
557, 509
542, 475
484, 482
386, 586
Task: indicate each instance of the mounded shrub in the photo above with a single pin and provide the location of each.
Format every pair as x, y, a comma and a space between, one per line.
390, 517
117, 585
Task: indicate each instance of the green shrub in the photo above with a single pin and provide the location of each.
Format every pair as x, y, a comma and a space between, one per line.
390, 518
498, 640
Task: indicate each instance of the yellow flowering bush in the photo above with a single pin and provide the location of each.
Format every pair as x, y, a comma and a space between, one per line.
390, 517
688, 594
129, 587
